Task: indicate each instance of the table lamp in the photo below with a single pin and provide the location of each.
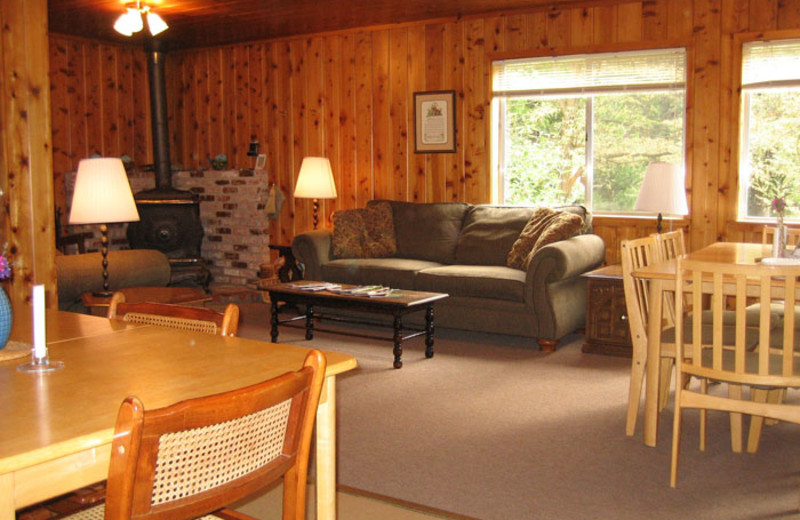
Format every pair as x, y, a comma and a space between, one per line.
315, 181
102, 196
662, 191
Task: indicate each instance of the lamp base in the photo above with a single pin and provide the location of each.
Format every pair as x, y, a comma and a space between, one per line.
103, 294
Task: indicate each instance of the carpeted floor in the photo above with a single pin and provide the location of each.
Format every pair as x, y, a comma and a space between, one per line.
491, 428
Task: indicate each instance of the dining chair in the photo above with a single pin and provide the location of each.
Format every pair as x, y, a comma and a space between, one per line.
669, 245
638, 253
738, 365
185, 317
193, 458
635, 254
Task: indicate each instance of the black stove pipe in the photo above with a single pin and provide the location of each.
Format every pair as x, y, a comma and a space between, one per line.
158, 113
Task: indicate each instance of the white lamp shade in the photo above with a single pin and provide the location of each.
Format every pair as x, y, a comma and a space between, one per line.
102, 193
663, 190
315, 180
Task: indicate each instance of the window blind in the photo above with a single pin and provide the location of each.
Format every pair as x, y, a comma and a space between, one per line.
771, 64
658, 69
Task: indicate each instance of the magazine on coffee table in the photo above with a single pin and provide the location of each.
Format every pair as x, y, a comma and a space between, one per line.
307, 285
366, 290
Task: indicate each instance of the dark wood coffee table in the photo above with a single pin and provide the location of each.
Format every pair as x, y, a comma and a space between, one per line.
397, 305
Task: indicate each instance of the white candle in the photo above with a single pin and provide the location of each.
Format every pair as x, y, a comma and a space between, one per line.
39, 339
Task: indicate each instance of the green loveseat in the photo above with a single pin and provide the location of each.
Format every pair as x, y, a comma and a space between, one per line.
461, 249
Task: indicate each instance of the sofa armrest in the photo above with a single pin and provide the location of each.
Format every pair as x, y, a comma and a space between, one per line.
554, 286
312, 250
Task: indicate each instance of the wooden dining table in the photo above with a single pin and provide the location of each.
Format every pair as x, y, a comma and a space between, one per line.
56, 427
661, 279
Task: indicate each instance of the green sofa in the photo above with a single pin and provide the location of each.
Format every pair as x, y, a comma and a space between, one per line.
461, 249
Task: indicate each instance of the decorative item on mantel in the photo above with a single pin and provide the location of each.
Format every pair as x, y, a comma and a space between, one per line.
219, 162
779, 238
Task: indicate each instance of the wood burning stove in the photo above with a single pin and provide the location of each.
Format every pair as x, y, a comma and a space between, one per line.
169, 218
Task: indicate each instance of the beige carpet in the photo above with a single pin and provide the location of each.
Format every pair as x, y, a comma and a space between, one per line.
490, 428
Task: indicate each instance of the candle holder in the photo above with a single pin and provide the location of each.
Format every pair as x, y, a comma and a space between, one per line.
40, 364
40, 358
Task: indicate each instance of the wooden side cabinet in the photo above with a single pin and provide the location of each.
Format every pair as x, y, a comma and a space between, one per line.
607, 328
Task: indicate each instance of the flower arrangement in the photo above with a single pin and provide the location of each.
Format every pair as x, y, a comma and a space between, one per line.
5, 267
779, 207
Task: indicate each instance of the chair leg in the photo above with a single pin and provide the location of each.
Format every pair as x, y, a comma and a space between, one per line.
703, 416
665, 381
757, 395
676, 440
735, 392
638, 364
778, 397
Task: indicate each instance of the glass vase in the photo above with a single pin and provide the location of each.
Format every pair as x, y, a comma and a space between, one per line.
6, 318
779, 241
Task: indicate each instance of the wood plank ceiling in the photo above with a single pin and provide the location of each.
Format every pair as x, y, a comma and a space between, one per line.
200, 23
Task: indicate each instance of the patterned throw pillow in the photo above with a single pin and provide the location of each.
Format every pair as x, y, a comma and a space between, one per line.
349, 234
379, 238
518, 256
561, 227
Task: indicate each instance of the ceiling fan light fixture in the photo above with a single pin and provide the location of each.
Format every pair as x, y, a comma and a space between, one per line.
129, 23
156, 24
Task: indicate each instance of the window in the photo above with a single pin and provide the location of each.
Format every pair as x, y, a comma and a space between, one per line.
583, 128
769, 143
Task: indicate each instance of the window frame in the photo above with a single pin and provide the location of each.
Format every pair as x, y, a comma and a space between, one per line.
741, 122
495, 121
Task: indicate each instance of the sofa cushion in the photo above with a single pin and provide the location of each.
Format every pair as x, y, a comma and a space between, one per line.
348, 234
522, 247
393, 272
488, 234
488, 281
379, 240
428, 231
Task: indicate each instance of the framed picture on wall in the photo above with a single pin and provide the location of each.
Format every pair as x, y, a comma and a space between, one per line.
261, 161
435, 121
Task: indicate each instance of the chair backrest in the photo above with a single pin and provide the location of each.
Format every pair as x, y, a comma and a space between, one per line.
197, 456
185, 317
637, 253
792, 235
740, 286
670, 244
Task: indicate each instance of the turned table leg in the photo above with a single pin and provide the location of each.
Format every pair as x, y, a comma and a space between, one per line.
429, 332
274, 331
309, 322
398, 342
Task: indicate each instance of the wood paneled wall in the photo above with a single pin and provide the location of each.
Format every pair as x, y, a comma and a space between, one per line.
100, 105
26, 175
349, 96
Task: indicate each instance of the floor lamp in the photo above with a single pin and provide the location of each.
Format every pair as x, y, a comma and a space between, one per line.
315, 181
663, 191
102, 196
